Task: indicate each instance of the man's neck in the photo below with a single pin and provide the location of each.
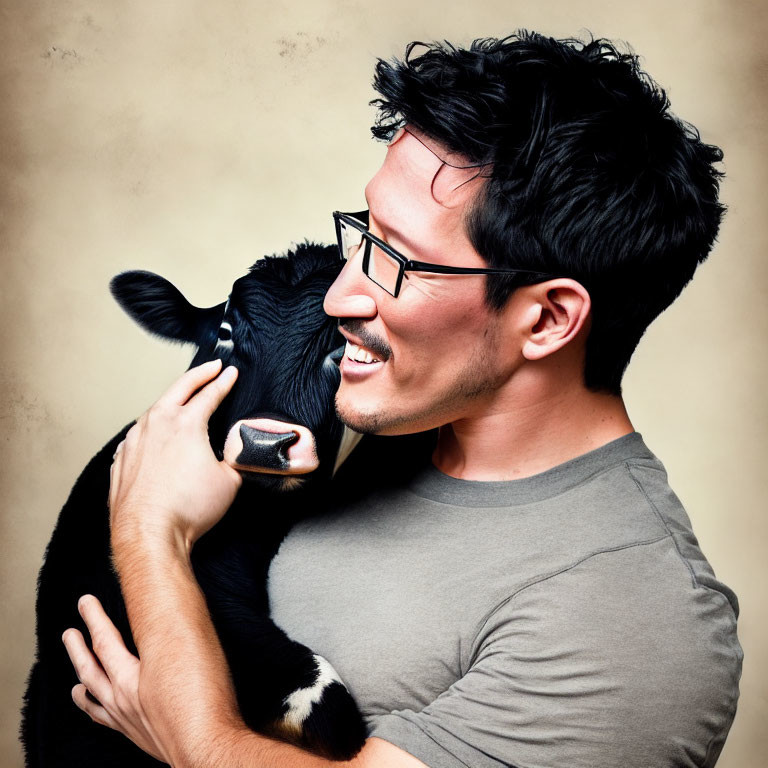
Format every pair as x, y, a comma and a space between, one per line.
518, 439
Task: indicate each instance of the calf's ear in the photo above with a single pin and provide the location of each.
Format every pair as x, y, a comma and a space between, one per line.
159, 307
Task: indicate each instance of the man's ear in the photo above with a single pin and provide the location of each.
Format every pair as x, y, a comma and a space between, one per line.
558, 311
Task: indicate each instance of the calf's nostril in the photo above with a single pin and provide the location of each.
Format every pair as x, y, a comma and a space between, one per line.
265, 449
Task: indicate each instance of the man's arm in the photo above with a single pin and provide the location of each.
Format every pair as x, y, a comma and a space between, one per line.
188, 693
178, 702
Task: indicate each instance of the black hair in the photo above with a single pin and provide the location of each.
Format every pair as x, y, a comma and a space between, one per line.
590, 176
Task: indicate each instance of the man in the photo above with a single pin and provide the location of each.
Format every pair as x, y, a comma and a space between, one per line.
535, 595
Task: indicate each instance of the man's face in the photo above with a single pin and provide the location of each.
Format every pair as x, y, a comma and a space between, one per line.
436, 346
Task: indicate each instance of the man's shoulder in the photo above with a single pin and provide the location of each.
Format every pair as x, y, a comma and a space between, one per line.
651, 480
631, 627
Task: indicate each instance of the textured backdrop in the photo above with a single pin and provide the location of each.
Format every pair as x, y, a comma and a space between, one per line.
190, 137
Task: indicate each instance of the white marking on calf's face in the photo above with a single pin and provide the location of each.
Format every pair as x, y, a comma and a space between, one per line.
301, 701
225, 342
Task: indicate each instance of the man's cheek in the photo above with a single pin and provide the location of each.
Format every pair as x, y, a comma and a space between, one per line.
423, 289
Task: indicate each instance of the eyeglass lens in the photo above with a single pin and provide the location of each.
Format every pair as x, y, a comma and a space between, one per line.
378, 265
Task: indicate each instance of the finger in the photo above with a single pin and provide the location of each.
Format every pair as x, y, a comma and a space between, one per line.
92, 708
87, 668
119, 448
209, 398
107, 642
188, 383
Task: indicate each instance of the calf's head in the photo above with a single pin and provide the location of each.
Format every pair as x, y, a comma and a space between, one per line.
278, 424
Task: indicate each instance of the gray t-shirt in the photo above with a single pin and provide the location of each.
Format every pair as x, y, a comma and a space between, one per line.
565, 619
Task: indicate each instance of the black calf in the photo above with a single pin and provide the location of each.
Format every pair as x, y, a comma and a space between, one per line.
274, 329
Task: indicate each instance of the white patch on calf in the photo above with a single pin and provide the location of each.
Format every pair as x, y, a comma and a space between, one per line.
349, 441
301, 701
225, 345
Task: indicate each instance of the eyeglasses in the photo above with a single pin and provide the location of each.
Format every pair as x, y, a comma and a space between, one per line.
386, 267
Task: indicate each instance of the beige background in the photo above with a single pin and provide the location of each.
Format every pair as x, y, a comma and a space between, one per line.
191, 137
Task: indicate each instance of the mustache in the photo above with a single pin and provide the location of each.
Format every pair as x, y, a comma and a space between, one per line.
358, 328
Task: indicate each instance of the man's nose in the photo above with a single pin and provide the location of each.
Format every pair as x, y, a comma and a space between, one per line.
349, 295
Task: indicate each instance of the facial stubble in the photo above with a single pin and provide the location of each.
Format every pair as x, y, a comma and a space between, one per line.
477, 379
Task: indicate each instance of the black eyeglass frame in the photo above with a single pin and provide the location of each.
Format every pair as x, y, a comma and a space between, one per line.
360, 222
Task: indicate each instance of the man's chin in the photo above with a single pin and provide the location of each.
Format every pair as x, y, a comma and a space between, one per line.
364, 423
373, 421
377, 422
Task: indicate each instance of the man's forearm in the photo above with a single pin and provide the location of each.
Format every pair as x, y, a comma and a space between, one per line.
167, 488
185, 682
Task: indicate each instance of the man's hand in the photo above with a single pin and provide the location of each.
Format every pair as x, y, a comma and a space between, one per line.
165, 478
111, 675
112, 679
177, 703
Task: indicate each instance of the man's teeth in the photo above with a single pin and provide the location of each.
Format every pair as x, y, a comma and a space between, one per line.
359, 354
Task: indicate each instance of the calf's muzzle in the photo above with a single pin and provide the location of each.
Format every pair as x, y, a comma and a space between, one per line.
269, 446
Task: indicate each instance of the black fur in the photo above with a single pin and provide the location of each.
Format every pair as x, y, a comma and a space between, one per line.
281, 342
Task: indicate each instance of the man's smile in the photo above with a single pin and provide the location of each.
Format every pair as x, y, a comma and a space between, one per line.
359, 362
360, 354
364, 353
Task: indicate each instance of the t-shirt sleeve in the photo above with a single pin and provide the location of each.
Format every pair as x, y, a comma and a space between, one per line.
622, 660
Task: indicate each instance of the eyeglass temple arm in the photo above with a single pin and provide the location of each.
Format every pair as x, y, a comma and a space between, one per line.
421, 266
360, 216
